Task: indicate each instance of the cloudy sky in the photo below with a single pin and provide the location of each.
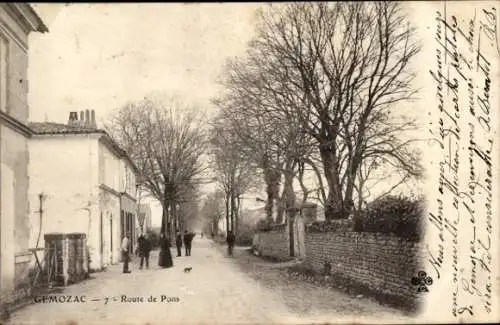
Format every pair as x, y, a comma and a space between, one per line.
99, 56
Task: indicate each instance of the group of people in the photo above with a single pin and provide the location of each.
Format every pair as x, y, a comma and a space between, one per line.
144, 247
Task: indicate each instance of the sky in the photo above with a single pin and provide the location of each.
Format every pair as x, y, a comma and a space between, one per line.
100, 56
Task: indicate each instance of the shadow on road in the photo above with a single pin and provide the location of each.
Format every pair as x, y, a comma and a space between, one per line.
309, 298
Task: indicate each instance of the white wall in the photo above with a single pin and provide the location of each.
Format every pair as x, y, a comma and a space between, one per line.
65, 169
109, 168
110, 209
110, 174
127, 178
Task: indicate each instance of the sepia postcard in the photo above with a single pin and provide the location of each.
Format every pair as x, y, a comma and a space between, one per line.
250, 163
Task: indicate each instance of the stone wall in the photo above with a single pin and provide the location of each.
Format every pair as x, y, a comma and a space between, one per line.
380, 262
273, 243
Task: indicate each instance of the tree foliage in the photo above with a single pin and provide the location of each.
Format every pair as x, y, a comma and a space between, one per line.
166, 141
326, 80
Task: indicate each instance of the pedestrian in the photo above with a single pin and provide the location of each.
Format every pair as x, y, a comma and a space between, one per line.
144, 248
188, 239
178, 242
202, 234
165, 260
230, 239
125, 248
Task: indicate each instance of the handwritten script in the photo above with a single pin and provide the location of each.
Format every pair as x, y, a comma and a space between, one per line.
460, 214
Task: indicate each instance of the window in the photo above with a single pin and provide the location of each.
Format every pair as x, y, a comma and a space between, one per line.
4, 51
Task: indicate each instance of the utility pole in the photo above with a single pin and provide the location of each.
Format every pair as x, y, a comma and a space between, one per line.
41, 197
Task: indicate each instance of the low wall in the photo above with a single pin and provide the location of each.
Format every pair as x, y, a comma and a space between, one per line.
273, 243
383, 263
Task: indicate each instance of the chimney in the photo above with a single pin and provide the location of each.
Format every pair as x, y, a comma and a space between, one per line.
87, 117
73, 118
92, 118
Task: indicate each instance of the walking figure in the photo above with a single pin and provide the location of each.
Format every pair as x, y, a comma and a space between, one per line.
230, 242
144, 247
165, 259
178, 242
125, 252
188, 239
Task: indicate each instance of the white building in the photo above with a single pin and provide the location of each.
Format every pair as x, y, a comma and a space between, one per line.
87, 185
17, 22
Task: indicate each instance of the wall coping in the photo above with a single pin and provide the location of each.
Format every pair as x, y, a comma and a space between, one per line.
364, 234
275, 227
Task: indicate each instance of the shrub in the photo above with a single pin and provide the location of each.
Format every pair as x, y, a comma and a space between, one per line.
397, 215
339, 225
244, 235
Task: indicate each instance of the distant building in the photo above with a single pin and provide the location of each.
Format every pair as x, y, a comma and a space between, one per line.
144, 216
87, 183
17, 21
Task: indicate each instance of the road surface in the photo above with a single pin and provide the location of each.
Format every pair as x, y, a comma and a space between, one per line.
216, 291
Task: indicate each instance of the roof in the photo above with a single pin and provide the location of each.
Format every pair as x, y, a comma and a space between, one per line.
51, 128
28, 17
40, 25
59, 128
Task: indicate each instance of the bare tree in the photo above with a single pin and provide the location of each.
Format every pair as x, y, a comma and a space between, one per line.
342, 67
166, 141
234, 174
249, 138
212, 211
265, 126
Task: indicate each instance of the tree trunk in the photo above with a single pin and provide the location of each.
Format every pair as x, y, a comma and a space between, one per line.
334, 207
232, 211
290, 197
168, 231
272, 179
281, 207
238, 212
227, 211
269, 201
174, 220
165, 219
290, 205
305, 191
319, 177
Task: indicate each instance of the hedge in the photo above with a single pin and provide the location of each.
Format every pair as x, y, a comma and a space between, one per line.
397, 215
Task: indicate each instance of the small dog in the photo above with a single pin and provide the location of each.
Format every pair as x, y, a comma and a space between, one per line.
187, 269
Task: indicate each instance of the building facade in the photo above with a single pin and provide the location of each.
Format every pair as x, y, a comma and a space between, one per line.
87, 185
17, 21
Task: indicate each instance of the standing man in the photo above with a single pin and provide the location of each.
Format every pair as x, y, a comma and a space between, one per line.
230, 242
188, 239
144, 244
125, 252
178, 242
